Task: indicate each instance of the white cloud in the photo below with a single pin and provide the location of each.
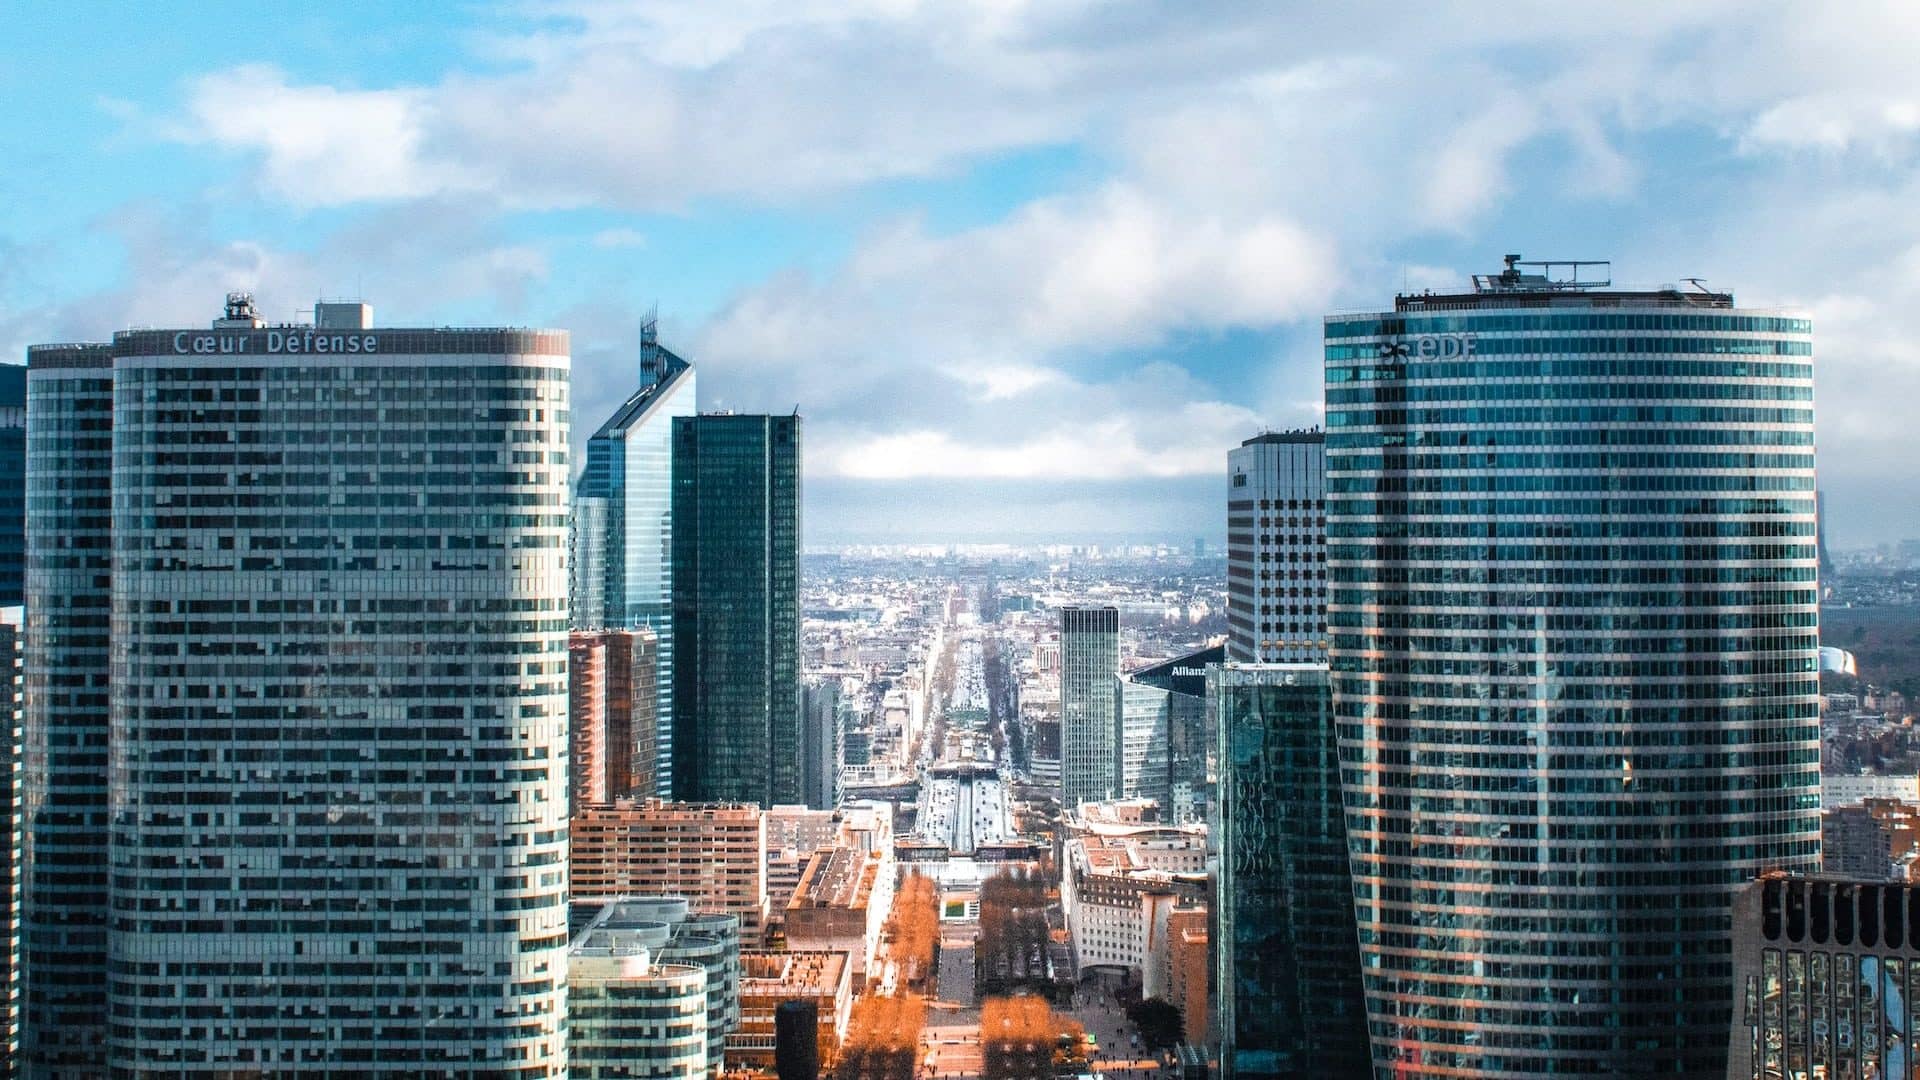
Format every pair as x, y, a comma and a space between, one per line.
1836, 122
319, 145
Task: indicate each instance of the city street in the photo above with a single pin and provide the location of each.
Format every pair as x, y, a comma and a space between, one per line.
1104, 1019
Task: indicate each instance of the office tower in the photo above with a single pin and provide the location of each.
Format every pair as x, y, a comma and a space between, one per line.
1826, 978
622, 571
1571, 543
629, 1013
1287, 991
64, 726
714, 854
736, 608
1089, 663
337, 790
11, 621
821, 748
1276, 548
1169, 702
13, 484
612, 698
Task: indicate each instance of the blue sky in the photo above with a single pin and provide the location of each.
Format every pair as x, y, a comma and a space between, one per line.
1028, 269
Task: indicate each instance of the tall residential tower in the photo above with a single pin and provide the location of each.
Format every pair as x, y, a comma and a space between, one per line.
1571, 543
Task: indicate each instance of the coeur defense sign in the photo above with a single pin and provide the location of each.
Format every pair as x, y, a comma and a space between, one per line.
277, 341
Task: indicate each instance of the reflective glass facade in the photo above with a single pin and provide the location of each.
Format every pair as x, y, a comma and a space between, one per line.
623, 524
332, 754
736, 609
1287, 997
1826, 978
1571, 548
1089, 666
64, 790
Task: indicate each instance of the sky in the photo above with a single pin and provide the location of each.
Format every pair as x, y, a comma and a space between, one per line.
1027, 269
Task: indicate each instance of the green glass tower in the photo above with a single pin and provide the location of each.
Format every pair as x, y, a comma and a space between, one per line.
1287, 1000
736, 609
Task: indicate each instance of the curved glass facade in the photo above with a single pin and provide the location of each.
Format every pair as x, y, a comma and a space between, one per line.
1571, 551
339, 714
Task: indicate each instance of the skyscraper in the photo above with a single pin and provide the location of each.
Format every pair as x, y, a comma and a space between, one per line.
337, 792
64, 726
1173, 763
1572, 557
11, 620
736, 608
1089, 664
13, 484
822, 749
612, 698
1276, 548
1287, 995
622, 538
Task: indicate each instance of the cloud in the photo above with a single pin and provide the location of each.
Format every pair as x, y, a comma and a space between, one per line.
319, 146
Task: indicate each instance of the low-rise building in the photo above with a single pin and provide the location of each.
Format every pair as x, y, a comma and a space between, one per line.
629, 1015
769, 978
714, 854
1123, 873
675, 935
842, 902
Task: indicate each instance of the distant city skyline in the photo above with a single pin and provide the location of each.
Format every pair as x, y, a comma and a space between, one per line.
946, 282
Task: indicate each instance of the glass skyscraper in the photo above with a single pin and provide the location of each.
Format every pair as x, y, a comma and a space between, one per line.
736, 609
336, 758
1089, 666
1174, 766
64, 726
1571, 543
1287, 997
622, 539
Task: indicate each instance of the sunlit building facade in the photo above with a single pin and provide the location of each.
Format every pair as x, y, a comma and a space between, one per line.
1571, 544
335, 761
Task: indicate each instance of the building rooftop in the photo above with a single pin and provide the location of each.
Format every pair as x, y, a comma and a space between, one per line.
1538, 286
1307, 435
835, 877
805, 973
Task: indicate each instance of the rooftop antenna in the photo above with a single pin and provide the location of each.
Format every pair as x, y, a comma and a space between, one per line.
650, 365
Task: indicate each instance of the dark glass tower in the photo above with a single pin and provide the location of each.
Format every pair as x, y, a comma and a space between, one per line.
13, 484
69, 526
1572, 553
736, 610
1287, 998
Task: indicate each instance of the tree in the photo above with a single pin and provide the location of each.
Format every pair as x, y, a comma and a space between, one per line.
1159, 1022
